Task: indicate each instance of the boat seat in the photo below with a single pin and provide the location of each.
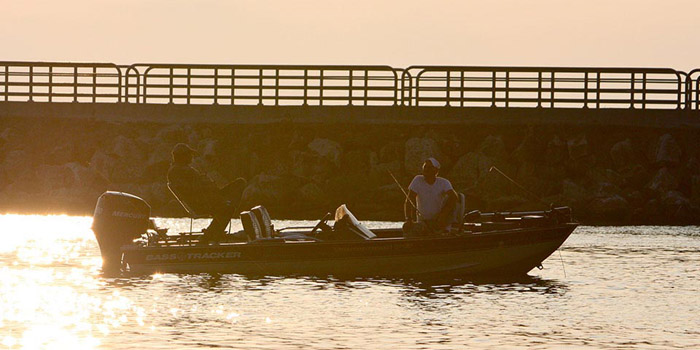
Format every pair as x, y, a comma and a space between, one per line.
251, 226
191, 213
264, 221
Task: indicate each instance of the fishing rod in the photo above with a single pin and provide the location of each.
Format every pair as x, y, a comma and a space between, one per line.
518, 185
408, 198
533, 196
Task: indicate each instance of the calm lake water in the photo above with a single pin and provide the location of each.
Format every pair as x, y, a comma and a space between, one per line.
609, 287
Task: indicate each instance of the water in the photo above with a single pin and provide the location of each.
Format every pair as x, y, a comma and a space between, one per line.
619, 287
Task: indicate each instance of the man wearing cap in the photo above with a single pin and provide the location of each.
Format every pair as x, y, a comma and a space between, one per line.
201, 194
434, 197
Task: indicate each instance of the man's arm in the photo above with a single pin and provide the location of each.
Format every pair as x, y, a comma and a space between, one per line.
408, 209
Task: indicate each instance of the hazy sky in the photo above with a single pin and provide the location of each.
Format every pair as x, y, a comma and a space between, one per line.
619, 33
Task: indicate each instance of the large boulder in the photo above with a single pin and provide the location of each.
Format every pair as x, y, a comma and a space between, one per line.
50, 177
578, 147
469, 169
610, 208
677, 208
173, 134
663, 181
309, 165
116, 170
493, 147
158, 162
380, 172
326, 149
622, 155
417, 150
695, 189
311, 193
390, 152
357, 161
572, 193
209, 150
126, 149
556, 151
269, 190
18, 165
60, 154
530, 149
11, 139
85, 177
665, 151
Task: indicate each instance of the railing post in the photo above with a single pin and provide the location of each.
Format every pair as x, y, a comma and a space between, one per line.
189, 84
632, 90
31, 83
94, 84
552, 85
277, 86
171, 87
418, 89
320, 92
644, 90
539, 89
447, 88
350, 87
679, 98
233, 86
51, 83
493, 88
75, 84
367, 88
461, 88
260, 87
7, 83
697, 94
216, 86
585, 90
597, 91
306, 87
144, 95
507, 88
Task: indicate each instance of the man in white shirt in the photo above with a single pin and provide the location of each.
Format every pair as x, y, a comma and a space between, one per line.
433, 196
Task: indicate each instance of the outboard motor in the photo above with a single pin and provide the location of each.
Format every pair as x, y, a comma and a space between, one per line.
119, 218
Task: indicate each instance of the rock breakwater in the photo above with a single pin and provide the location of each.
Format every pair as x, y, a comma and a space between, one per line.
617, 175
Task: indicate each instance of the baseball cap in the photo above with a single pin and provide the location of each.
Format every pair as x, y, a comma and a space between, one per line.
434, 162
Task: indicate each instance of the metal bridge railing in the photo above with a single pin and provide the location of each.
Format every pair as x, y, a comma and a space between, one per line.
693, 87
263, 85
60, 82
328, 85
643, 88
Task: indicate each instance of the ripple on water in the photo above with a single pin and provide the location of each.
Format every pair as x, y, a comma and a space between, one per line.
623, 287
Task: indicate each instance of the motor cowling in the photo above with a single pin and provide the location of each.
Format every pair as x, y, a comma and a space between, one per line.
119, 218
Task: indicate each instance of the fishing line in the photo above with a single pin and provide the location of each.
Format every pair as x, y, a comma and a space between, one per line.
405, 194
533, 196
562, 262
518, 185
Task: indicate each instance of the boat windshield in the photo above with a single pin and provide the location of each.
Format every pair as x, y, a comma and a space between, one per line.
344, 214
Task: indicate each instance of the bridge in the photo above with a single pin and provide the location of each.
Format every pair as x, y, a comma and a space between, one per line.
247, 88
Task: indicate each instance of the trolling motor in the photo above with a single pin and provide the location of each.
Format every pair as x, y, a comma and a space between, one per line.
119, 218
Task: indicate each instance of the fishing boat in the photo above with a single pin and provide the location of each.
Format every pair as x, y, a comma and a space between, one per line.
485, 244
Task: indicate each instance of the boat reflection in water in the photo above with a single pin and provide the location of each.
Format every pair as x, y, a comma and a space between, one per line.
487, 245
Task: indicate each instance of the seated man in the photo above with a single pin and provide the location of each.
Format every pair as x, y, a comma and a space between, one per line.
201, 194
434, 197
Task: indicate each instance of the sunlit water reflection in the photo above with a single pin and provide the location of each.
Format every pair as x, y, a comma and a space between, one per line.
609, 287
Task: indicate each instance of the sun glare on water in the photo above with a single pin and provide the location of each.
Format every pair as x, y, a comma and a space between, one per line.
48, 271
